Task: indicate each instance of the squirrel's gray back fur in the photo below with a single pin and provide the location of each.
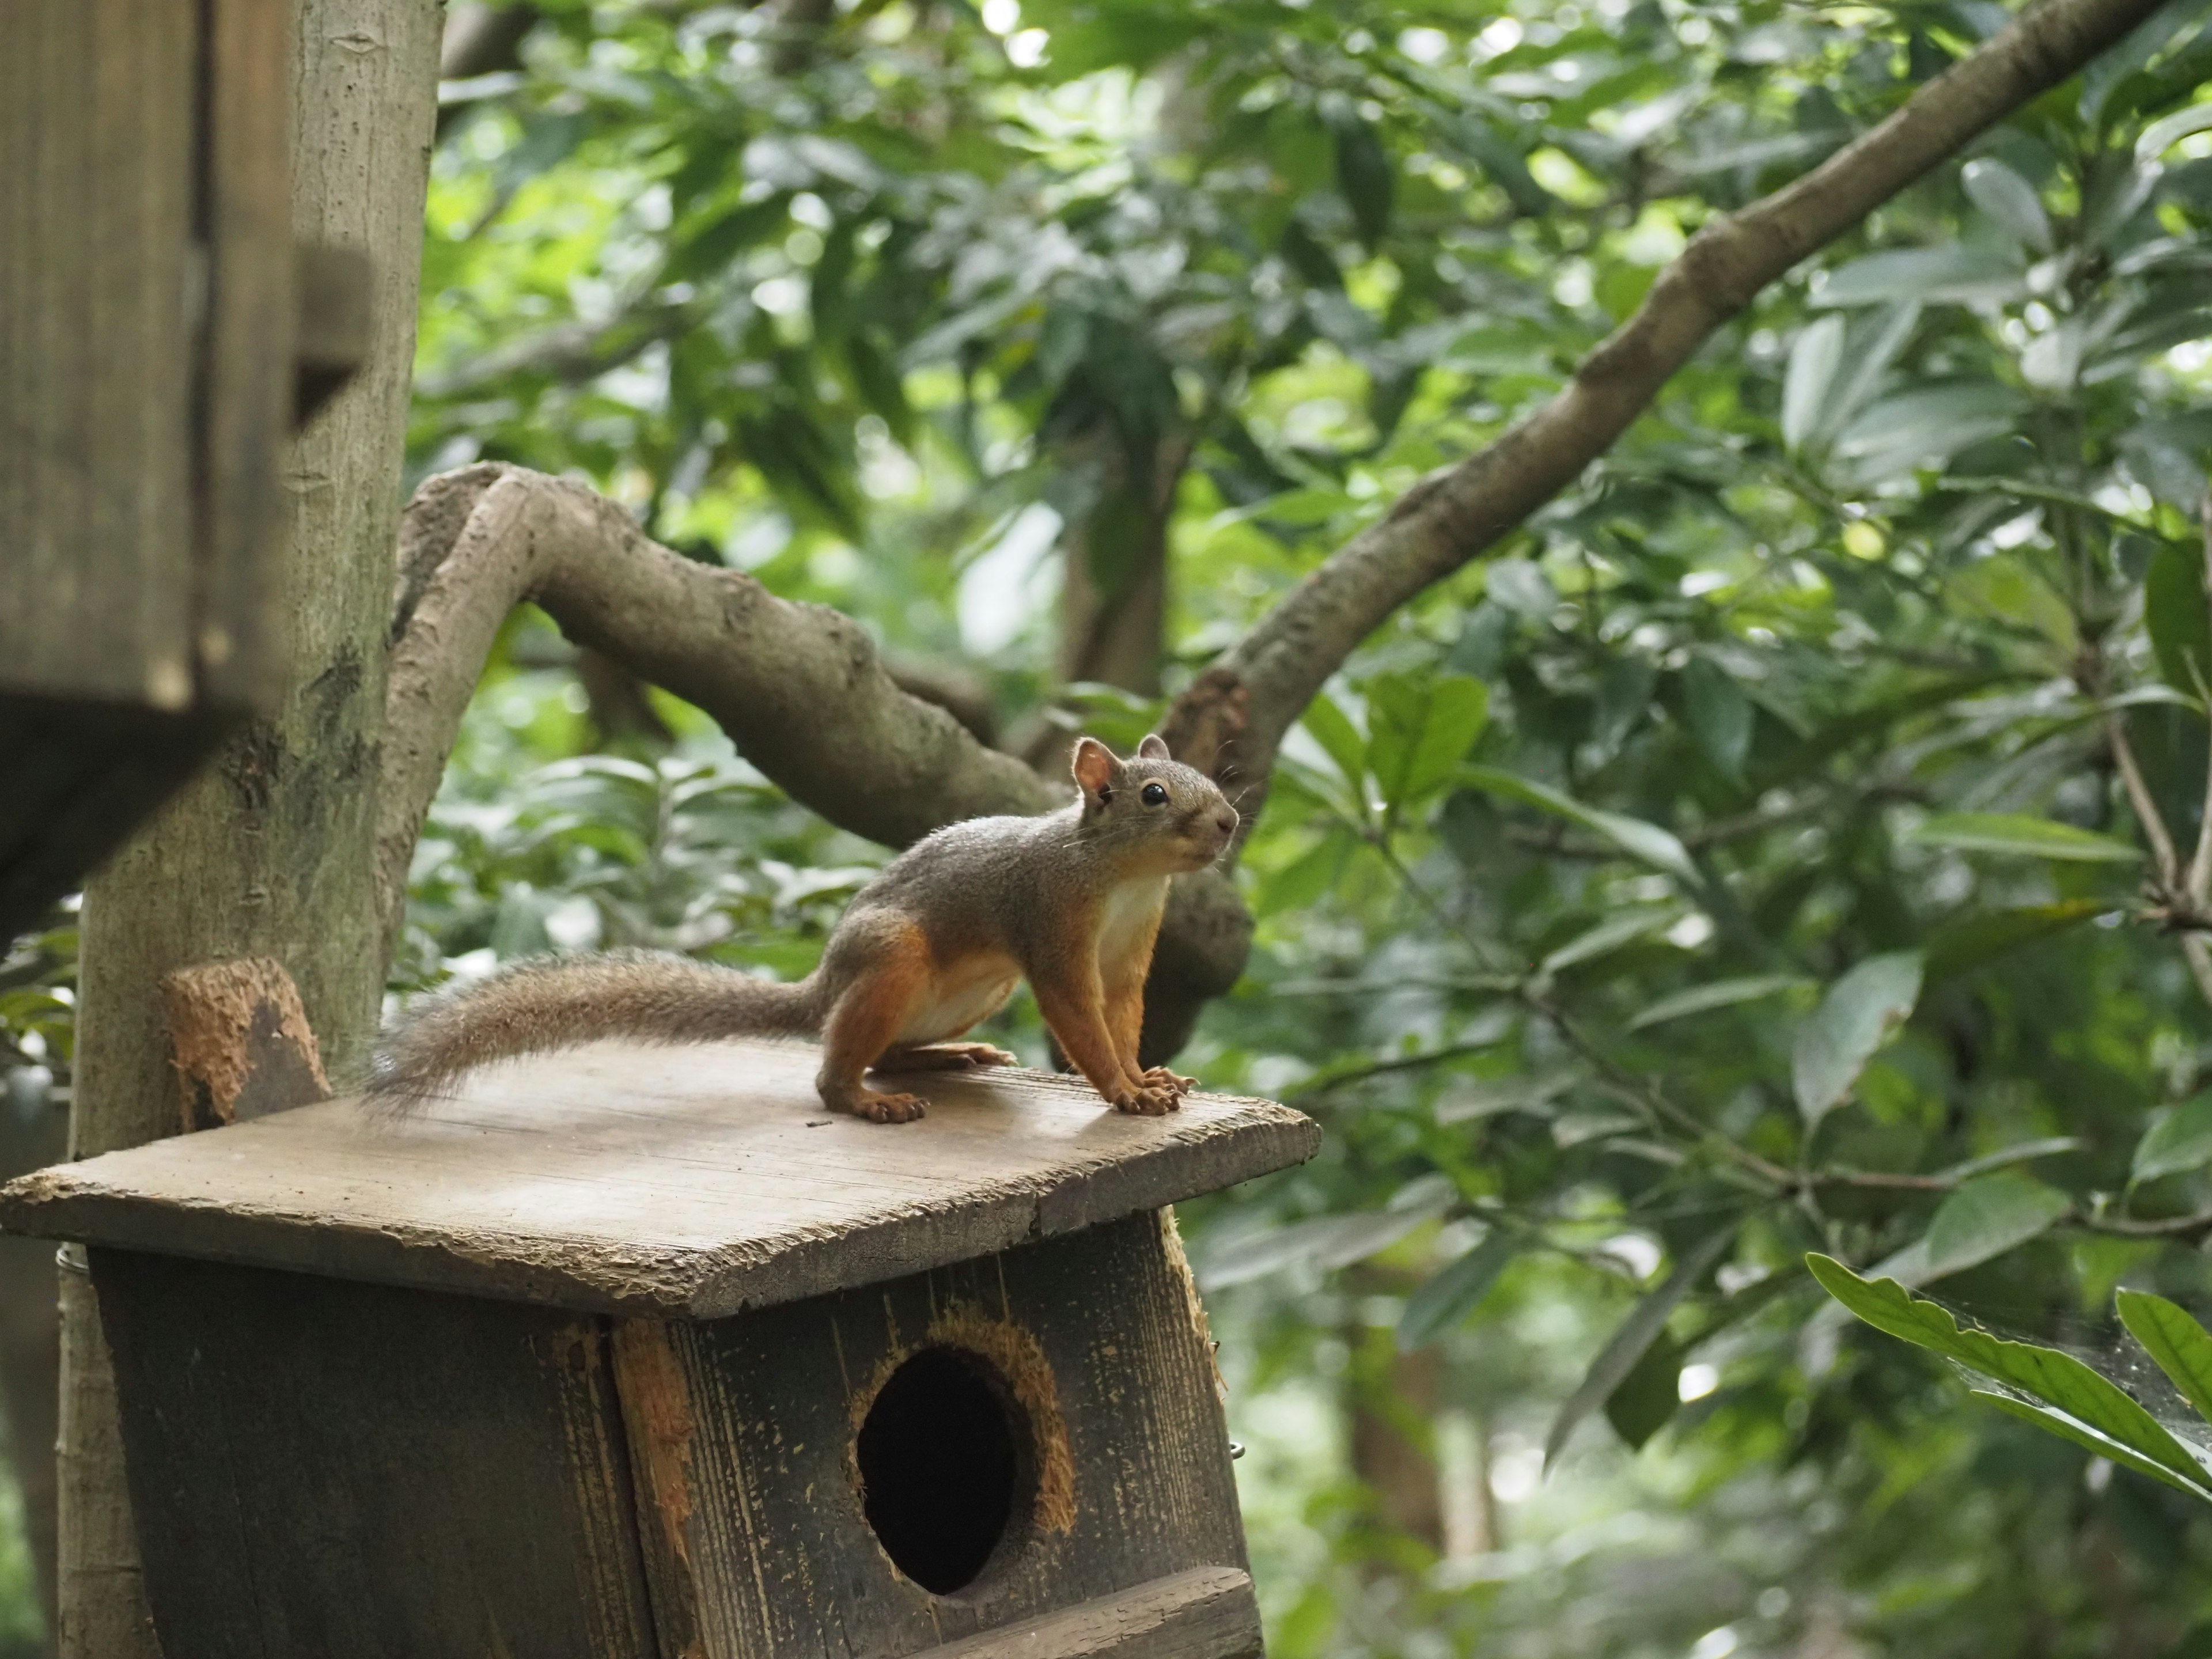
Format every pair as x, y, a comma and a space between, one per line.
557, 1002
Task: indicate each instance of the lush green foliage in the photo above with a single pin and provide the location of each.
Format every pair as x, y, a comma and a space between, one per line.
2063, 1393
1734, 867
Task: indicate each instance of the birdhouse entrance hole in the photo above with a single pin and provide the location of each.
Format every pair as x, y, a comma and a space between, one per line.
948, 1469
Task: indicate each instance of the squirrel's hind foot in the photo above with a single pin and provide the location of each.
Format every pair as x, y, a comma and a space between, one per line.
946, 1057
1158, 1077
878, 1108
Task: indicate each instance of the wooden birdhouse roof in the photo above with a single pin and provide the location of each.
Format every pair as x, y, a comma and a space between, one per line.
691, 1183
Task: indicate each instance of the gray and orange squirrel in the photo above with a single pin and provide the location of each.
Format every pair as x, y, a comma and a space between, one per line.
1070, 900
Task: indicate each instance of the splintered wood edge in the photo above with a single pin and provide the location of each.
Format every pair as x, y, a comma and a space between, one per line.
74, 1201
1208, 1613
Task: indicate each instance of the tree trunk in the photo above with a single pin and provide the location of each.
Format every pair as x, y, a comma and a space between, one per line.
1117, 635
270, 851
1393, 1403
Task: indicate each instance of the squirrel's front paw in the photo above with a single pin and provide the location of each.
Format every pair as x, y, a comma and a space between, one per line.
890, 1109
1148, 1102
1158, 1077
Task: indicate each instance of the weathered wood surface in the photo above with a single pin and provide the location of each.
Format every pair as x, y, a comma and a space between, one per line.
362, 1472
145, 376
352, 1472
686, 1182
742, 1436
240, 1042
1208, 1613
96, 124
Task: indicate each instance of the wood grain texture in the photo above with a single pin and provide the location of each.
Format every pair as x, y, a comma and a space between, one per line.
352, 1472
683, 1182
97, 116
243, 413
1208, 1613
742, 1434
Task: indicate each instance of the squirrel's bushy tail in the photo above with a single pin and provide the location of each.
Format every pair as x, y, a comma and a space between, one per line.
557, 1002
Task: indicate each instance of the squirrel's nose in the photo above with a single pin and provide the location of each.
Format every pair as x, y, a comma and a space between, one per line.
1225, 822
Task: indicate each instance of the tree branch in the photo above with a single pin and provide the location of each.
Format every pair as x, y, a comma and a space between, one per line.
800, 688
571, 352
1236, 713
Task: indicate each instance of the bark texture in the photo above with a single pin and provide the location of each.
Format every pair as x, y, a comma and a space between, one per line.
1235, 714
270, 852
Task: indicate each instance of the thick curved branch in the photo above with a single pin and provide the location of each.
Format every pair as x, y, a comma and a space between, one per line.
1232, 719
800, 688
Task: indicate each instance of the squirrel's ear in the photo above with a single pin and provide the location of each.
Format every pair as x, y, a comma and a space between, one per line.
1095, 768
1154, 747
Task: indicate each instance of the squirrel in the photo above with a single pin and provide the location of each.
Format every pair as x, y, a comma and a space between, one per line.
933, 943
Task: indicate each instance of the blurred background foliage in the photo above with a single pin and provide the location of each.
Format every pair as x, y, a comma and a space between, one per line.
1738, 865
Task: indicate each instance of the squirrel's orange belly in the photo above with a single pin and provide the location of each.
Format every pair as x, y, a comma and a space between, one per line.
949, 1005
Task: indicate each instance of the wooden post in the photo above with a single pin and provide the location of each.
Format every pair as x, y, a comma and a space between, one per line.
267, 854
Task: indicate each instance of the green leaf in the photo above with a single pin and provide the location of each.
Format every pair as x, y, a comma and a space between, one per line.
1720, 716
1454, 1291
2179, 1140
712, 244
1307, 877
1610, 935
1857, 1016
1960, 946
1499, 157
2023, 1151
1988, 1216
2057, 1379
1814, 358
1956, 272
2178, 619
2057, 1422
1326, 1242
1364, 175
1332, 728
2162, 135
2008, 199
1488, 1096
1642, 1326
2017, 834
1718, 994
1418, 731
1645, 1400
2182, 1348
1647, 842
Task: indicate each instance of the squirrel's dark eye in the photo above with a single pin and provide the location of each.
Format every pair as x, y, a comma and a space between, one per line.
1156, 794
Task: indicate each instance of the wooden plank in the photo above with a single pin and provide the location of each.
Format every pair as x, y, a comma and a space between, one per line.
359, 1473
243, 415
744, 1439
688, 1181
96, 568
1208, 1613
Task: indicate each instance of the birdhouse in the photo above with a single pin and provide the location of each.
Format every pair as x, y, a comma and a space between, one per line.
631, 1351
